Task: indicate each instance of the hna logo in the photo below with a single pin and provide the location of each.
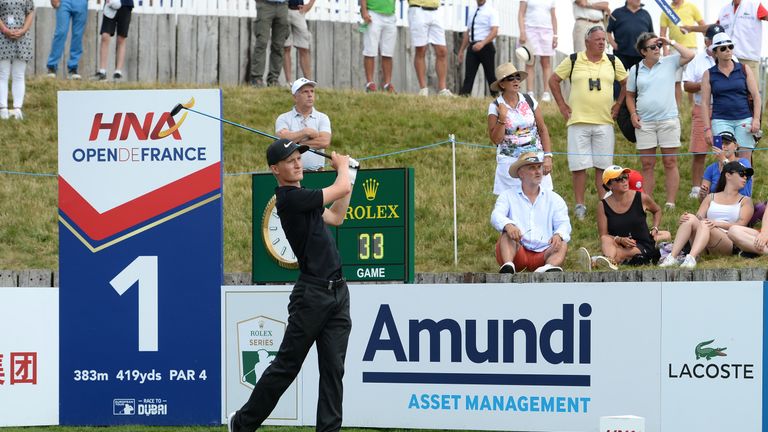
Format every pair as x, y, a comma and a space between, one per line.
122, 124
555, 333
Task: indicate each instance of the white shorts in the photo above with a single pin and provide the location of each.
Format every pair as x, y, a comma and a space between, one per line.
540, 40
590, 145
300, 37
381, 35
661, 133
426, 27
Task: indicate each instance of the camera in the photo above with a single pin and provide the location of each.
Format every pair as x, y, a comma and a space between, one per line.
594, 84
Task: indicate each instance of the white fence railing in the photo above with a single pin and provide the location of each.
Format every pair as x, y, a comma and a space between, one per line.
454, 12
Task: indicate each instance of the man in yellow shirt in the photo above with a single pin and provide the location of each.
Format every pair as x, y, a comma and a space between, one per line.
689, 15
589, 112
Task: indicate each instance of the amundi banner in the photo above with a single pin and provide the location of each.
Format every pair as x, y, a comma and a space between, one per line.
538, 357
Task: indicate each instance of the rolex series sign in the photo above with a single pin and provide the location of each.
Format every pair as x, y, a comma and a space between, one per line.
140, 258
375, 241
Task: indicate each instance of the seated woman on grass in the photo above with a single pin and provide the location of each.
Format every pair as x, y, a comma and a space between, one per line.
708, 228
621, 223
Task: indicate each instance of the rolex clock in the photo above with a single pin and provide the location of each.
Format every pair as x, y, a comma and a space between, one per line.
273, 236
375, 241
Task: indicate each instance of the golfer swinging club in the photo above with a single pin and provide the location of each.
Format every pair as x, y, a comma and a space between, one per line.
318, 310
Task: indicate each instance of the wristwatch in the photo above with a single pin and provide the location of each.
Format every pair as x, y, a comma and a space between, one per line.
275, 240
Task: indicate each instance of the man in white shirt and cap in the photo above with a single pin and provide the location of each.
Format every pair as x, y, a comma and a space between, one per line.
533, 222
305, 125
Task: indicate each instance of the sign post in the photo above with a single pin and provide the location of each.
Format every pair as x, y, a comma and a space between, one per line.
140, 258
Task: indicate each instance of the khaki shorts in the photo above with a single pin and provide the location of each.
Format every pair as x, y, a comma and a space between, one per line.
300, 37
590, 145
661, 133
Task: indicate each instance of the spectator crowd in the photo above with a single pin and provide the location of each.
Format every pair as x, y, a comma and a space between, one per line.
621, 71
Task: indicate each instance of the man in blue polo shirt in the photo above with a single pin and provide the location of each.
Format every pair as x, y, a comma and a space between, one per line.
624, 26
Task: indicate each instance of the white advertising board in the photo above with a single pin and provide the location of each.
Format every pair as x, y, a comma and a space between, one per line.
254, 324
510, 357
712, 356
29, 356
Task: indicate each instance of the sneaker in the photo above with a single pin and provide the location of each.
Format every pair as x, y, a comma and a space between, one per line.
546, 268
694, 192
118, 75
689, 262
602, 262
507, 267
669, 206
257, 82
584, 259
580, 211
100, 75
546, 97
51, 72
445, 92
73, 75
748, 255
668, 261
370, 87
424, 92
231, 421
16, 114
389, 88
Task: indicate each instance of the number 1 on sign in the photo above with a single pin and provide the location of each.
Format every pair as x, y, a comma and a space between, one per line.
144, 271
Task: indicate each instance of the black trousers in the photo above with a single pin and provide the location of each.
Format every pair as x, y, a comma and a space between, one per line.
316, 314
473, 60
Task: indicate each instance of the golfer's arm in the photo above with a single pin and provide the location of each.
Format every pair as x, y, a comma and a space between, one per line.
341, 192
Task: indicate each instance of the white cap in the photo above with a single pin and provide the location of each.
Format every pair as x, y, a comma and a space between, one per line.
299, 83
721, 39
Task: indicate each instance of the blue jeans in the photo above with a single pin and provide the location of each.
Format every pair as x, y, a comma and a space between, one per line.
77, 11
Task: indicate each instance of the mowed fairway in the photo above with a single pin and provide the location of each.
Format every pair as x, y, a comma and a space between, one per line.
364, 125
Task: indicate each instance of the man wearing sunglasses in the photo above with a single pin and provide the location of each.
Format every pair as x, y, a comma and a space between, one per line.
589, 112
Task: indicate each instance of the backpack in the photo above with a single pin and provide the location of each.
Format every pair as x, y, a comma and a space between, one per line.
623, 119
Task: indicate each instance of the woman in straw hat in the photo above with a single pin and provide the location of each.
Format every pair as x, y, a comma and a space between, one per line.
516, 126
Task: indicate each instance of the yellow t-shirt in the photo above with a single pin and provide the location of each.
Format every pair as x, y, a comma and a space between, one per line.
591, 106
425, 3
689, 15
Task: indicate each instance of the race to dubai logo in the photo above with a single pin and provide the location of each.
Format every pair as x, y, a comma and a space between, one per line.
258, 341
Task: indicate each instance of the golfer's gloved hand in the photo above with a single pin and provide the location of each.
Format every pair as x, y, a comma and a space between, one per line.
352, 172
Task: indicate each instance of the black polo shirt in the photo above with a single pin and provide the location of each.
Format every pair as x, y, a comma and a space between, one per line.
626, 26
301, 215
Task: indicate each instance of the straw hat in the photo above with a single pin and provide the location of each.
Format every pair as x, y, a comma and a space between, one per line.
525, 54
503, 71
525, 159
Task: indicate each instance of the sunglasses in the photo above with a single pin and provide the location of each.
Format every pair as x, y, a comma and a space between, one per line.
621, 178
655, 46
722, 48
515, 77
742, 173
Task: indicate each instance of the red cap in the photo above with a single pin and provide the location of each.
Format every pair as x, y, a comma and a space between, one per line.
635, 180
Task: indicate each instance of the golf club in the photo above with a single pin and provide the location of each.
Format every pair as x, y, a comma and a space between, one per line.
352, 162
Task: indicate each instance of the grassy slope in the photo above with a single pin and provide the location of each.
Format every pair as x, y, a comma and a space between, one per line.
363, 125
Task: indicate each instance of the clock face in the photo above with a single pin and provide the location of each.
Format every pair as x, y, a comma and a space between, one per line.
274, 237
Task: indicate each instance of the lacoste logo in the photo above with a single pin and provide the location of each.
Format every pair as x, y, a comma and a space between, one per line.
705, 352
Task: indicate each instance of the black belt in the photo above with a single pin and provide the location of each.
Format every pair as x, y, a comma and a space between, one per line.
425, 7
293, 7
330, 284
587, 19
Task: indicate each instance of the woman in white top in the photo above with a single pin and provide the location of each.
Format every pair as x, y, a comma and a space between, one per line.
516, 126
708, 228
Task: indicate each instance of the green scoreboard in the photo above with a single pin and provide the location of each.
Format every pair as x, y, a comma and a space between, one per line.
375, 241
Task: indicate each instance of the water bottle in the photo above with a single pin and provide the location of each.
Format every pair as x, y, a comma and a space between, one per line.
362, 28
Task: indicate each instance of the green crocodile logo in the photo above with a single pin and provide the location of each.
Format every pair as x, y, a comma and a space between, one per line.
702, 351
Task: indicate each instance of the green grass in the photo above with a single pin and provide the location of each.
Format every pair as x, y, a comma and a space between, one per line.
363, 125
